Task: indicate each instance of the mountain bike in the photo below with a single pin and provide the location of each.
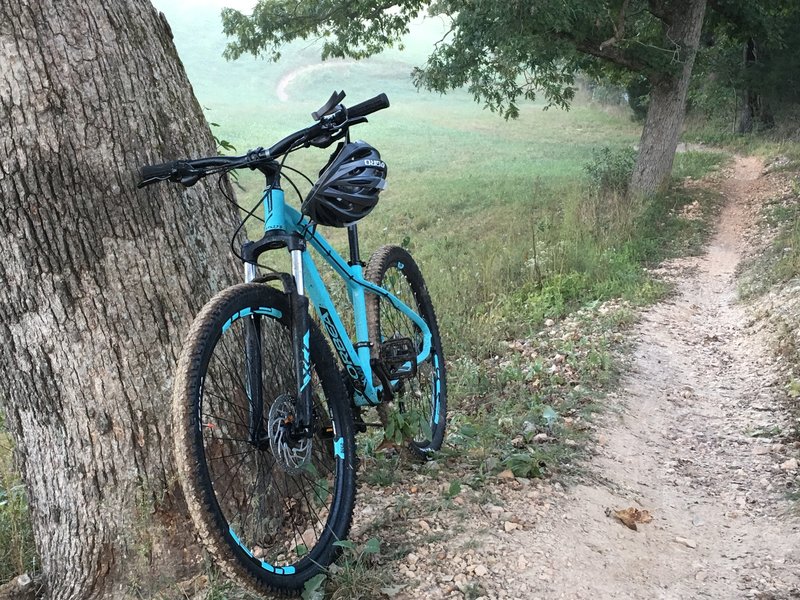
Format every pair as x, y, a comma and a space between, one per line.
263, 417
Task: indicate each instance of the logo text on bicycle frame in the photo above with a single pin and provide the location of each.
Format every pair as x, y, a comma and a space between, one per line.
355, 372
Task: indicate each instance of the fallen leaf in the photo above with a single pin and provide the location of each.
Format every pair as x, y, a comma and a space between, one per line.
507, 474
630, 516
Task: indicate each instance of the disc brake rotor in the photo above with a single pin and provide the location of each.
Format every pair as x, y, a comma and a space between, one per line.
292, 454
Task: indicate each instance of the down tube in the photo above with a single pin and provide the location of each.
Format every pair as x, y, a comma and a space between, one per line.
365, 393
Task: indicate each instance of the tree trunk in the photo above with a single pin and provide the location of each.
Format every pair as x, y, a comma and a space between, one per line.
755, 110
747, 111
668, 99
98, 283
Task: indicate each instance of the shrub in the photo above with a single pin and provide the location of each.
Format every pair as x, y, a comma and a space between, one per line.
610, 170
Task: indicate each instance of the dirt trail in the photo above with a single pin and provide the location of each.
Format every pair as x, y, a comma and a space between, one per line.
692, 445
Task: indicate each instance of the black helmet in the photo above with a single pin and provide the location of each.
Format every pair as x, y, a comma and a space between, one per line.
348, 187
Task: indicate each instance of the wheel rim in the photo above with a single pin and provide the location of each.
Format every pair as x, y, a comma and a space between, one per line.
275, 497
416, 397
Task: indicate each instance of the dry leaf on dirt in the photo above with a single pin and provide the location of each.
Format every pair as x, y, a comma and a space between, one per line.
630, 516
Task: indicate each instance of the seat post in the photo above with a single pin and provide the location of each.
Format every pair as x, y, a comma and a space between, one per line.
352, 237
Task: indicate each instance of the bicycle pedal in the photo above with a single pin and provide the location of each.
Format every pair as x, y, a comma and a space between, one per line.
399, 356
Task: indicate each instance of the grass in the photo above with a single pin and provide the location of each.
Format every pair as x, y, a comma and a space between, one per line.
17, 548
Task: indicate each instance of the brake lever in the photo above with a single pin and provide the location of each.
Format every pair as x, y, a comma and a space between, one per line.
325, 140
190, 180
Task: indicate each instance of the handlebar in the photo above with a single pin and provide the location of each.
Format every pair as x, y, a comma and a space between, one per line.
333, 123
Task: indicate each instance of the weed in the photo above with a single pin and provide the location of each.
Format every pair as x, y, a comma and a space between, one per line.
610, 170
17, 548
355, 575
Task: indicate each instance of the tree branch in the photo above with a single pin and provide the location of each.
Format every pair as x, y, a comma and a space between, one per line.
609, 53
619, 28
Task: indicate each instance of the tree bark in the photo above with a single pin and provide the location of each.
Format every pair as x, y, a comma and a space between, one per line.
662, 127
754, 109
98, 283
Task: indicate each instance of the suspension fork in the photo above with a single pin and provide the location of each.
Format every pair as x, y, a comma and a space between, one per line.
301, 334
253, 366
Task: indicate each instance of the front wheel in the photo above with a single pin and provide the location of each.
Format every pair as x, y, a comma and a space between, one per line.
268, 503
419, 406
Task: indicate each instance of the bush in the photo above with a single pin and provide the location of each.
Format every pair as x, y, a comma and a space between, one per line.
610, 170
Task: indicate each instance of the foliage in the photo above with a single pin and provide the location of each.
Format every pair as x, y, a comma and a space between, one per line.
749, 55
499, 52
610, 171
354, 576
410, 424
17, 548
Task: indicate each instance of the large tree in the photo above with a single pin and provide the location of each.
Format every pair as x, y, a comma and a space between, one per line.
502, 51
98, 283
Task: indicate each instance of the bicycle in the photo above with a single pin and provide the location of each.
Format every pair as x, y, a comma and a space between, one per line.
262, 416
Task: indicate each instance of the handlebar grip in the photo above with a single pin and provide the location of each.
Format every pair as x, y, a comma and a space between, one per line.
367, 107
158, 171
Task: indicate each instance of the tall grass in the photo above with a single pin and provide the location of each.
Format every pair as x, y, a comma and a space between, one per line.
17, 549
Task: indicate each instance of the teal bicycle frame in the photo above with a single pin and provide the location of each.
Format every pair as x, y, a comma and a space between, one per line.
284, 220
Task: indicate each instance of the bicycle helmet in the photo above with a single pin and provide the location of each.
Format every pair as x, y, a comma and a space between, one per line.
348, 186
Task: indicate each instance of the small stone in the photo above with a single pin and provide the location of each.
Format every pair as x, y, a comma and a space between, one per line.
761, 449
506, 475
701, 576
789, 465
481, 571
424, 525
412, 558
510, 526
541, 437
549, 323
686, 542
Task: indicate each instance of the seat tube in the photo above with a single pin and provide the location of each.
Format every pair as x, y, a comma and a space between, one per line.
356, 268
360, 313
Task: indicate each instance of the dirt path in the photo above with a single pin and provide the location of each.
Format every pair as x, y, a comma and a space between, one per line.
694, 439
693, 446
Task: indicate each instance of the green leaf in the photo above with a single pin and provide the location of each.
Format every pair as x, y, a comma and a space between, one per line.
468, 431
345, 544
549, 415
454, 489
398, 437
314, 588
301, 550
373, 546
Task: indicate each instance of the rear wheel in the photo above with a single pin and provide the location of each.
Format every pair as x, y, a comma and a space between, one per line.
419, 405
268, 504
